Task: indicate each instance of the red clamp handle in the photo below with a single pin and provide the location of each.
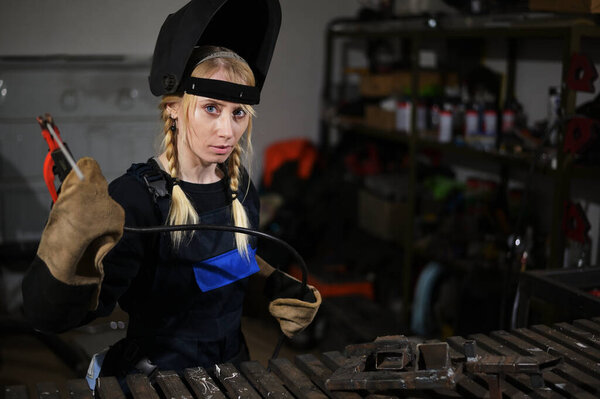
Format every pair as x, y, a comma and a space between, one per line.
52, 146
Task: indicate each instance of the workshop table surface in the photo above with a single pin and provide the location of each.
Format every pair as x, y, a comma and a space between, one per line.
571, 349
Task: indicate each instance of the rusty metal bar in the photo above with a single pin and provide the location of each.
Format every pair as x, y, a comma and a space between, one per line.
15, 392
47, 390
310, 365
563, 339
565, 370
509, 387
171, 385
583, 363
202, 384
109, 388
298, 383
235, 383
585, 336
558, 383
79, 389
266, 383
140, 387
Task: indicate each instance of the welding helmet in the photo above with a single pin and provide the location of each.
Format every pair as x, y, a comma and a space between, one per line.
247, 27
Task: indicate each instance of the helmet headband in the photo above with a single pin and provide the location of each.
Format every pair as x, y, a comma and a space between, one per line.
222, 90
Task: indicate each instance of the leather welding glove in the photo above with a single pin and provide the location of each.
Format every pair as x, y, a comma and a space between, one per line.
265, 268
83, 225
292, 313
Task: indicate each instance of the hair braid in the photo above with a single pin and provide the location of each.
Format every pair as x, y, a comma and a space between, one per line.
181, 210
171, 151
240, 218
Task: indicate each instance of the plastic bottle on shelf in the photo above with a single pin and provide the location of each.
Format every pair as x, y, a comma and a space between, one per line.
403, 115
513, 118
471, 122
490, 121
490, 127
445, 131
508, 120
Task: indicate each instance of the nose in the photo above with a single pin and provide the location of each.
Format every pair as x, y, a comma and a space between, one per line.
225, 126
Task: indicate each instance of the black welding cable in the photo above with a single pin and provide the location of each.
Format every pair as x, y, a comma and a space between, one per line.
236, 229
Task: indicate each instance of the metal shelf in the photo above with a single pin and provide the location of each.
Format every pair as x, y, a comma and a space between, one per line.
568, 32
511, 160
508, 26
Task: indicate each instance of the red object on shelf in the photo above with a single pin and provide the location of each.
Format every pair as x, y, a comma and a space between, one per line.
575, 223
580, 132
595, 292
582, 73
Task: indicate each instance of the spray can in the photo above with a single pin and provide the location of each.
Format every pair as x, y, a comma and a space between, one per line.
471, 123
403, 116
445, 132
490, 119
508, 120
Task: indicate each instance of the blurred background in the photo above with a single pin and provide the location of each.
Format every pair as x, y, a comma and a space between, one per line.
435, 162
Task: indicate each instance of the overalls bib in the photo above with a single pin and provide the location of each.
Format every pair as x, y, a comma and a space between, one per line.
190, 301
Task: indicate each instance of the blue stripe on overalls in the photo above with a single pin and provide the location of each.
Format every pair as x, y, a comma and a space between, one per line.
224, 269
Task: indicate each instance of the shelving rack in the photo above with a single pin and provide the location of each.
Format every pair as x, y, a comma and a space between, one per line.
570, 31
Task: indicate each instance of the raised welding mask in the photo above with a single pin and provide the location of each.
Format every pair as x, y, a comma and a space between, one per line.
247, 27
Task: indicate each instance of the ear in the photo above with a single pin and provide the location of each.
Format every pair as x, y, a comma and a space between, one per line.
173, 109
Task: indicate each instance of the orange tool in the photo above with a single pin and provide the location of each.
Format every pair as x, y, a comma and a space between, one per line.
59, 160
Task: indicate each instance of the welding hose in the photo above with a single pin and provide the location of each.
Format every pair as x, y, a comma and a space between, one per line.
236, 229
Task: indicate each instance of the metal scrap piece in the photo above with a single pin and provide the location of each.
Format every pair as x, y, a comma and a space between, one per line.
393, 363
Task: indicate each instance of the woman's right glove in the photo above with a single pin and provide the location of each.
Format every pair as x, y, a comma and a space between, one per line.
293, 314
84, 224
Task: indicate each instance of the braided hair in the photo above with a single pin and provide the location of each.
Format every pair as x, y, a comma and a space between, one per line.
181, 210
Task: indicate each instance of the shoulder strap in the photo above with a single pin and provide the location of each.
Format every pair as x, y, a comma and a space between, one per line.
153, 177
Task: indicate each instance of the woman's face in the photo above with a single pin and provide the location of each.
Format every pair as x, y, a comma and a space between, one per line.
214, 128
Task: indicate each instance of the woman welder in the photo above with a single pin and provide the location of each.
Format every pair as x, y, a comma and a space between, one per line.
183, 291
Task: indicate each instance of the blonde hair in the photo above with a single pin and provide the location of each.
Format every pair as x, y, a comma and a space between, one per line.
182, 211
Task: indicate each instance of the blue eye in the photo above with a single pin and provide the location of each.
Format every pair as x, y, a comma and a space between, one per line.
211, 109
239, 113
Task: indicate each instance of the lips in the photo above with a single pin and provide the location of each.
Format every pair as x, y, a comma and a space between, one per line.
221, 149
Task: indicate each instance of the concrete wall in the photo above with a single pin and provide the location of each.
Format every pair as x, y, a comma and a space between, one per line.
102, 103
87, 27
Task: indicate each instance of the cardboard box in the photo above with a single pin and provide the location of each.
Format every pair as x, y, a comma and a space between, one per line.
566, 6
387, 84
381, 218
380, 85
378, 118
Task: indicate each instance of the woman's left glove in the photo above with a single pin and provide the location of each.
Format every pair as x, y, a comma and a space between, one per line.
293, 314
84, 224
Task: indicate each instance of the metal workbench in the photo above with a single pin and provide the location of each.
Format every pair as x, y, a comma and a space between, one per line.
569, 351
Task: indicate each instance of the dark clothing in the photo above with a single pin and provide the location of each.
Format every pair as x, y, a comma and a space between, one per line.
173, 323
